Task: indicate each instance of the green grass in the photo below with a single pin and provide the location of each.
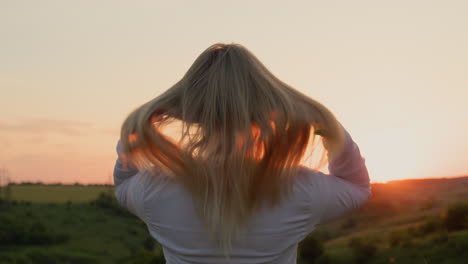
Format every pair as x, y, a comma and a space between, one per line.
105, 235
97, 235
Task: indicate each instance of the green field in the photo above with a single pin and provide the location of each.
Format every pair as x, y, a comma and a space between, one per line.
70, 232
57, 193
403, 222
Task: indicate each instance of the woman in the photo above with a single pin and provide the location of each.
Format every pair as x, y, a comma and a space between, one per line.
232, 188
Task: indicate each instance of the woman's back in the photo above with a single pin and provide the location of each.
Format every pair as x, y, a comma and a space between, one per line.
272, 235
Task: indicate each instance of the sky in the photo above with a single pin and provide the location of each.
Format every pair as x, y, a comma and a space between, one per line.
395, 73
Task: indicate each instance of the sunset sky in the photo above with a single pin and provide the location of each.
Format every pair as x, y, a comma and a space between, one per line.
395, 73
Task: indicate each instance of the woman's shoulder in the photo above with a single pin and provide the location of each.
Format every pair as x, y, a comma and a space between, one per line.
307, 175
306, 178
154, 176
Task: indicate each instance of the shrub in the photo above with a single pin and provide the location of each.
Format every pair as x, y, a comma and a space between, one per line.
143, 256
457, 216
398, 238
107, 201
432, 225
459, 244
322, 234
132, 231
41, 257
363, 249
38, 234
349, 223
17, 232
440, 237
324, 259
310, 249
22, 260
412, 231
6, 259
149, 243
104, 201
28, 214
11, 232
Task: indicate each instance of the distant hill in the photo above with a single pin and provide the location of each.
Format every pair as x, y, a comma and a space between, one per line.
402, 222
441, 190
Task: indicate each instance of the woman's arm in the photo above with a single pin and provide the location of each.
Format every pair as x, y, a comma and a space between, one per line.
348, 185
129, 186
123, 168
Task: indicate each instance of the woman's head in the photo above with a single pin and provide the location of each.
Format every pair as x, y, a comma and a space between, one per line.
244, 133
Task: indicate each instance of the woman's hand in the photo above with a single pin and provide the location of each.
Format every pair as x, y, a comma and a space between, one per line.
325, 140
123, 158
158, 115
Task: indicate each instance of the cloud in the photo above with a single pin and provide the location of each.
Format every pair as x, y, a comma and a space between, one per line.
45, 126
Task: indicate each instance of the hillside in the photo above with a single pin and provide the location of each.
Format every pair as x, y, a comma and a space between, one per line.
403, 220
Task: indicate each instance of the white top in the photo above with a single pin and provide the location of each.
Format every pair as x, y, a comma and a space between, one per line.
317, 198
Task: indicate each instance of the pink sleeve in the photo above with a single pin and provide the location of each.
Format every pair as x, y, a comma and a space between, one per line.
347, 186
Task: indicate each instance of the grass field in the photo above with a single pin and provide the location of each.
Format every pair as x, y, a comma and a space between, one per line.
401, 223
57, 193
96, 233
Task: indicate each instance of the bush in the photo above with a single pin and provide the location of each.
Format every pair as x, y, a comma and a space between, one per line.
11, 232
399, 238
107, 201
459, 244
310, 249
349, 223
132, 231
104, 201
26, 203
17, 232
22, 260
38, 234
363, 249
440, 237
432, 225
40, 257
323, 234
324, 259
457, 216
143, 256
149, 243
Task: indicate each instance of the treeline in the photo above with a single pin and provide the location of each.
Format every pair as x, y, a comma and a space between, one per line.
39, 183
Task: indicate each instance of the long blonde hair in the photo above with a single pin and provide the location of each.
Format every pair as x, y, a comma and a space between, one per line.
244, 134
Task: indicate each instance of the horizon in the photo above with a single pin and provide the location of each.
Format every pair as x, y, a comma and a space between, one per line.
39, 182
393, 73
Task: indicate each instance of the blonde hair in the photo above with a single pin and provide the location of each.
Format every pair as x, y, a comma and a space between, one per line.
244, 134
